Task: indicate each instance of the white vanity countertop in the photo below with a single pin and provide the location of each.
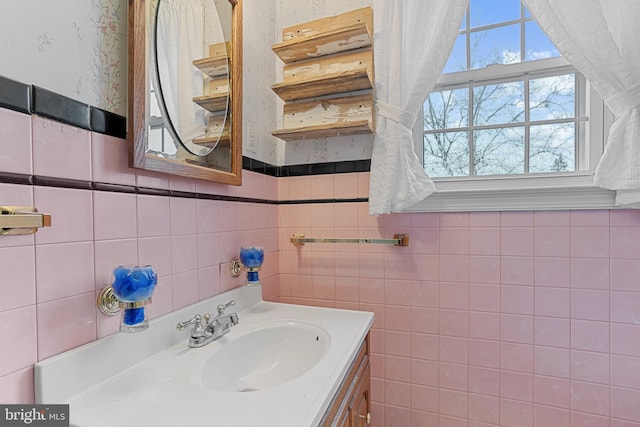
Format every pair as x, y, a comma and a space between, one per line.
163, 387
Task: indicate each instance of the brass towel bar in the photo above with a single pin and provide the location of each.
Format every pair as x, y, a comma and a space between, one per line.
22, 220
398, 240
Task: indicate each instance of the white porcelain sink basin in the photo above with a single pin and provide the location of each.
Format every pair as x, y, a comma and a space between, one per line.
266, 357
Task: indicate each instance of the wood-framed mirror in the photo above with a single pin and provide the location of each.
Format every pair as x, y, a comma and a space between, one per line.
185, 88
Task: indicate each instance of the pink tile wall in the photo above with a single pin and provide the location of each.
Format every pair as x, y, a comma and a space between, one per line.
50, 281
522, 319
486, 319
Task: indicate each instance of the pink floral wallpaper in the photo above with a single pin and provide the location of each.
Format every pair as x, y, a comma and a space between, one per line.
108, 62
75, 48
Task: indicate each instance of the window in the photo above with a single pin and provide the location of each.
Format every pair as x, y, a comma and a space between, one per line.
160, 140
509, 112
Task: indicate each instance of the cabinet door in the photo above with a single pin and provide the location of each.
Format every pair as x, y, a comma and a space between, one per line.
359, 407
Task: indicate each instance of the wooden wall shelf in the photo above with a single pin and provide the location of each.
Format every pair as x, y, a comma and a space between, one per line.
213, 103
329, 84
211, 142
325, 43
217, 131
216, 85
217, 63
213, 67
324, 131
327, 117
328, 77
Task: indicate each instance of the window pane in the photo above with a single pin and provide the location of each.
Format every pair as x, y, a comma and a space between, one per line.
495, 46
153, 103
458, 58
447, 109
552, 148
496, 104
485, 12
537, 44
499, 151
552, 97
446, 154
154, 143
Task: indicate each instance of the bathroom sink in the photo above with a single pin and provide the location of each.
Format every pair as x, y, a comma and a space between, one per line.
267, 357
280, 366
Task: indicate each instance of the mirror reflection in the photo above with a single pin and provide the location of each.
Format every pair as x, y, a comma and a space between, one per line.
189, 89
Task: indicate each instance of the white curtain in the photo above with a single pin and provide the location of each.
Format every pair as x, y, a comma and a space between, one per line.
180, 40
600, 38
412, 43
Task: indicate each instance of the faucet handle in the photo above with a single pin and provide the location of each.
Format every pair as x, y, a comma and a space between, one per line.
233, 319
223, 307
195, 320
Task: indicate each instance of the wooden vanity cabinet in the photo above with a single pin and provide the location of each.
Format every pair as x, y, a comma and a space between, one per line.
350, 406
359, 410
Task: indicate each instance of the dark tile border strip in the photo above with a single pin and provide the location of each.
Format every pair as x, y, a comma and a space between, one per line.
205, 196
348, 166
147, 191
15, 95
113, 188
44, 181
31, 99
60, 108
15, 178
321, 201
109, 123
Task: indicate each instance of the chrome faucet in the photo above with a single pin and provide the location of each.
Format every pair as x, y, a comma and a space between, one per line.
202, 335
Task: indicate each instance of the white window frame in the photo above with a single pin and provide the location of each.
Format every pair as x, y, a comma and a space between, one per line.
561, 191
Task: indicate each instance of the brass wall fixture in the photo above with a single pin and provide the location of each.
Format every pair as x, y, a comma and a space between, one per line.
16, 220
109, 305
235, 267
398, 240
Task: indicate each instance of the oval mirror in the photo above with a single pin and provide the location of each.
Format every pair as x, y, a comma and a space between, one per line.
188, 33
185, 88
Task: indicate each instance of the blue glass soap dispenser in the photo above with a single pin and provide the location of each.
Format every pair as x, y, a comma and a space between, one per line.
130, 292
252, 259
